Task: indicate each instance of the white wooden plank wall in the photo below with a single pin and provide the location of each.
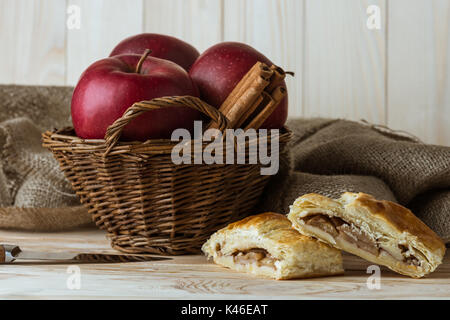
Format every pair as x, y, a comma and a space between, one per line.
344, 66
419, 68
274, 28
398, 75
103, 24
198, 22
32, 41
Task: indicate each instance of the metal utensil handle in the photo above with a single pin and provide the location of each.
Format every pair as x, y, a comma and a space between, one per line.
8, 253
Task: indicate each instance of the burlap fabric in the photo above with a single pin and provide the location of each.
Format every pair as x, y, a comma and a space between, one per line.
333, 156
325, 156
34, 194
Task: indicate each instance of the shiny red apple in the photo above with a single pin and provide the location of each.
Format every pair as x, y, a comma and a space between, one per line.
110, 86
220, 68
162, 46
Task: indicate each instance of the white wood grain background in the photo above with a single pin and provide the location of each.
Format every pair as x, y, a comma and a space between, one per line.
398, 75
188, 277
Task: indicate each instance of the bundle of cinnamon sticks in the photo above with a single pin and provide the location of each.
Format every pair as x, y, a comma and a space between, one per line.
254, 98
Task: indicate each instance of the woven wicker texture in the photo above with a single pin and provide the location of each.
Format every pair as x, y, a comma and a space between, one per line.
145, 202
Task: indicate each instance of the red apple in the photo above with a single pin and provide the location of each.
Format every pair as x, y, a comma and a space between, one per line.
162, 46
220, 68
110, 86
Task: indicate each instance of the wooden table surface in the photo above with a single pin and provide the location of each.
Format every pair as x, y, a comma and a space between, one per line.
187, 277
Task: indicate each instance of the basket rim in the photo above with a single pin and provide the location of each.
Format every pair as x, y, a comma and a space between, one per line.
65, 139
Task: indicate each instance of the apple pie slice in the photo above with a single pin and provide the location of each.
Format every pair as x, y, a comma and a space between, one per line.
267, 245
382, 232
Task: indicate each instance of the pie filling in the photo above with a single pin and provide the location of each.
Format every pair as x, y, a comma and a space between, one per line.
341, 230
258, 256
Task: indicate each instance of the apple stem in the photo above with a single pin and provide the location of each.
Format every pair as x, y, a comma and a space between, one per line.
141, 61
291, 73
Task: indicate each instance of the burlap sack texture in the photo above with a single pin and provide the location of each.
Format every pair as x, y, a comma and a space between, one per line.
325, 156
330, 157
34, 194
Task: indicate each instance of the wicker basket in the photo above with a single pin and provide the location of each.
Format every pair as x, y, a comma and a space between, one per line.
145, 202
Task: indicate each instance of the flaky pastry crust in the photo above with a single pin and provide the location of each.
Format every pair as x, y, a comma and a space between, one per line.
267, 245
382, 232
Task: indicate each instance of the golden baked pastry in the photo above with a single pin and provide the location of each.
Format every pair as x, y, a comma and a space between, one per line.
382, 232
267, 245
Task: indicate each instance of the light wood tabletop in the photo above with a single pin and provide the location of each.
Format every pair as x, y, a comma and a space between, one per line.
187, 277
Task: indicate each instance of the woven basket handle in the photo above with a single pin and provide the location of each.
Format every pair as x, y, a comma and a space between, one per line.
114, 131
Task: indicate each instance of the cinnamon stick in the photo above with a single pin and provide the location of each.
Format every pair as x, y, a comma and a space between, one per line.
274, 93
245, 101
245, 94
265, 100
276, 79
258, 70
250, 110
254, 98
275, 98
